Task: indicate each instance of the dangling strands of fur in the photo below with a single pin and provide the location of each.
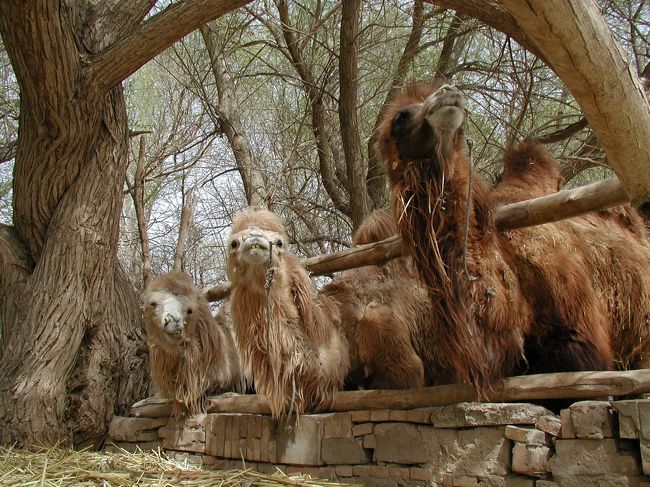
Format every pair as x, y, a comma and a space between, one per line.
67, 468
470, 146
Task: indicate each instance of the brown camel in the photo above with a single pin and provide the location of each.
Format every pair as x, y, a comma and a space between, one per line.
192, 354
300, 345
504, 303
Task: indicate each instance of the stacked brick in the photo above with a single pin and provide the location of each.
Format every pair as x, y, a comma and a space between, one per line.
595, 443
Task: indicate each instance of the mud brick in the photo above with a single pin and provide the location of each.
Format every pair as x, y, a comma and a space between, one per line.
628, 418
257, 449
241, 450
300, 445
361, 470
337, 425
214, 462
549, 424
399, 472
311, 471
417, 473
343, 470
592, 419
214, 434
379, 415
294, 471
398, 415
250, 454
370, 441
227, 444
196, 421
567, 424
265, 447
419, 416
169, 444
363, 429
360, 416
644, 419
645, 455
464, 481
243, 425
378, 471
328, 473
525, 435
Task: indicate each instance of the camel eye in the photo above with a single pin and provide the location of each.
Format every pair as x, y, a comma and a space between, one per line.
234, 244
153, 304
189, 311
279, 244
399, 121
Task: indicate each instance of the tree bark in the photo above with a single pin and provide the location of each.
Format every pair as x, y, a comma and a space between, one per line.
75, 353
349, 126
187, 215
137, 194
230, 120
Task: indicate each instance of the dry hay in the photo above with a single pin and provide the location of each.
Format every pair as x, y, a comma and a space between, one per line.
66, 467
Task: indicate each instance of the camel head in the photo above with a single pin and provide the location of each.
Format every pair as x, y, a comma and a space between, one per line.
423, 125
257, 243
169, 302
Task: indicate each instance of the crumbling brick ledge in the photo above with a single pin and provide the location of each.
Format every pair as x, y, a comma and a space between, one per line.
590, 443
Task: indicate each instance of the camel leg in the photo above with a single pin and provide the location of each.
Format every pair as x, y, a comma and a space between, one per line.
386, 351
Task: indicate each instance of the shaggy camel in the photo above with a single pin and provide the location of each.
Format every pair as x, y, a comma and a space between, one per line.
192, 354
299, 345
528, 300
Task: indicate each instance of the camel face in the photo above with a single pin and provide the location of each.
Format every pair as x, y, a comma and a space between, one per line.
256, 247
169, 312
427, 128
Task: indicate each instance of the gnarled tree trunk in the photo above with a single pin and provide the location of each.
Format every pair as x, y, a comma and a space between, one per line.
75, 350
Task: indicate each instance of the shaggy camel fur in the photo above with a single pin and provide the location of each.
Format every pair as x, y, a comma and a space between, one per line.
527, 300
192, 354
299, 345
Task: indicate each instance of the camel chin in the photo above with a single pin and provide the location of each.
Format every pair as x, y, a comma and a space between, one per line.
445, 111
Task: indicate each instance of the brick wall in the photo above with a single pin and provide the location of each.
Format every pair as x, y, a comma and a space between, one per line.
591, 443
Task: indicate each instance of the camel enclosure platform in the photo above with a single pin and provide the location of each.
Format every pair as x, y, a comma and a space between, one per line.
436, 436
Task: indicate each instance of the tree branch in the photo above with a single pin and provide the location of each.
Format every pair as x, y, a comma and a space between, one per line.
152, 37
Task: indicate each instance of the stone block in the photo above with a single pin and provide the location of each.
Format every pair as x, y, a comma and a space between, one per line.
326, 473
588, 457
400, 443
399, 472
592, 419
378, 471
470, 414
464, 481
628, 418
478, 452
301, 445
644, 418
531, 460
338, 451
196, 421
370, 441
361, 470
363, 429
549, 424
183, 435
337, 425
529, 436
567, 425
134, 429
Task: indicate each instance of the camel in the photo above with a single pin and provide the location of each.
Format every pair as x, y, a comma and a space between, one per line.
191, 353
527, 300
300, 345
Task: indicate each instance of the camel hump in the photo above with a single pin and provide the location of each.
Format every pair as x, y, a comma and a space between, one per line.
531, 158
377, 226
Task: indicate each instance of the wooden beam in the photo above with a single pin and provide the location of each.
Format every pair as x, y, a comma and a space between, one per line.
561, 205
564, 385
545, 209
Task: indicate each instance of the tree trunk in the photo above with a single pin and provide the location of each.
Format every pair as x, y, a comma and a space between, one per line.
231, 123
348, 71
75, 353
